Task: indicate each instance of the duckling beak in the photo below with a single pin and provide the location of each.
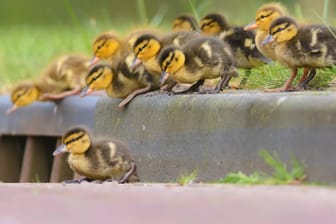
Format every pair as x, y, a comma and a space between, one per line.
135, 63
11, 109
164, 76
60, 149
251, 26
268, 40
93, 60
85, 92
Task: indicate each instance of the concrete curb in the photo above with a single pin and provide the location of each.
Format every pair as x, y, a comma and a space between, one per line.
217, 134
213, 134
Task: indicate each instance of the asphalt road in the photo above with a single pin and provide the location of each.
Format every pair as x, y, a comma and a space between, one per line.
162, 203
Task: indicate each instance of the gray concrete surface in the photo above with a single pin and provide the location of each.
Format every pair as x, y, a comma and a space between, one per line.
46, 118
214, 134
147, 203
221, 133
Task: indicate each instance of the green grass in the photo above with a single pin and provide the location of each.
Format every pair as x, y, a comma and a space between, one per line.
280, 174
26, 50
186, 179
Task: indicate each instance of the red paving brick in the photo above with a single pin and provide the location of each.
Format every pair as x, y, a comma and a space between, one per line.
161, 203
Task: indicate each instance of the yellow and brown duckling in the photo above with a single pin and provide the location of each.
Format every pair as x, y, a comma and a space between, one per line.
265, 15
199, 59
108, 46
97, 159
185, 22
63, 77
310, 46
148, 47
241, 42
119, 82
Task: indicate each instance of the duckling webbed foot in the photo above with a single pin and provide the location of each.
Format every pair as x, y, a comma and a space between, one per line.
304, 81
128, 174
131, 96
187, 88
78, 181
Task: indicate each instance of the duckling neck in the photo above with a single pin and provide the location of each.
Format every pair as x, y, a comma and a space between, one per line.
152, 66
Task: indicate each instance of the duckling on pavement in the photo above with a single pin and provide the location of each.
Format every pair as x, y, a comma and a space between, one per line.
97, 159
199, 59
63, 77
310, 47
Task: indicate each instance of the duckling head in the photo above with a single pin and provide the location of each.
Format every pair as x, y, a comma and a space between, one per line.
171, 60
105, 46
145, 47
75, 141
23, 95
185, 23
281, 30
98, 78
265, 15
213, 24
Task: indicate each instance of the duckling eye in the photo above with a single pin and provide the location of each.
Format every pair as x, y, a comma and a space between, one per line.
176, 59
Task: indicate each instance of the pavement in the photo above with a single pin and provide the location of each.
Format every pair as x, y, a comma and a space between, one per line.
165, 203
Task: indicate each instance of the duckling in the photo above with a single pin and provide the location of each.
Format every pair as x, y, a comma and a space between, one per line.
62, 78
310, 46
185, 22
119, 81
199, 59
97, 159
241, 42
265, 15
107, 46
148, 46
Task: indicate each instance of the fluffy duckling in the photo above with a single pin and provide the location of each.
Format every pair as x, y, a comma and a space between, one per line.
265, 15
119, 82
95, 159
107, 46
63, 77
241, 42
311, 46
185, 22
148, 47
199, 59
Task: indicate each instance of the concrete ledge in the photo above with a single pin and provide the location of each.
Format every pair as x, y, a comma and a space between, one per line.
46, 118
214, 134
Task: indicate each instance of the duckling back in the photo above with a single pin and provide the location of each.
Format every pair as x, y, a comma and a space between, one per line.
199, 59
241, 42
185, 22
105, 159
64, 73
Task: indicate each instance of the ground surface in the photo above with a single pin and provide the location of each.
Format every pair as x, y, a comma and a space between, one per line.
161, 203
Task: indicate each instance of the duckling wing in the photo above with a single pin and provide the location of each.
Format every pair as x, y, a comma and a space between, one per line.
244, 41
204, 52
178, 38
318, 42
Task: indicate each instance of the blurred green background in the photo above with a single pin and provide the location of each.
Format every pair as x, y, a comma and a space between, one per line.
34, 32
43, 12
